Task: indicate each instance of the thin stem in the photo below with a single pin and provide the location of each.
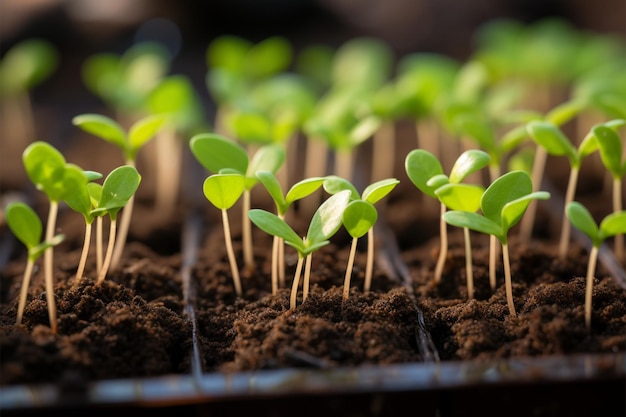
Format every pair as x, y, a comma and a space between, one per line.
275, 243
99, 248
307, 277
493, 253
507, 279
83, 255
468, 264
296, 282
281, 262
109, 254
247, 233
231, 253
28, 272
127, 213
617, 207
169, 161
565, 225
346, 280
591, 268
443, 251
48, 265
369, 266
528, 222
383, 151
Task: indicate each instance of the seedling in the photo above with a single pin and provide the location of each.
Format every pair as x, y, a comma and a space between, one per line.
140, 133
359, 218
502, 204
325, 223
47, 169
426, 173
118, 189
223, 191
298, 191
26, 226
219, 154
613, 224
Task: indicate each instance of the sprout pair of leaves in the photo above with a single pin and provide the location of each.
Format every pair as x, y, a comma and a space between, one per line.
26, 226
502, 204
26, 65
426, 173
612, 225
326, 221
283, 202
359, 218
220, 155
138, 135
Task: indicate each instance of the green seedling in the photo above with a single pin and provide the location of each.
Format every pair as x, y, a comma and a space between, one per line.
613, 224
325, 223
223, 191
218, 154
297, 191
83, 200
130, 143
426, 173
22, 68
26, 226
359, 218
47, 169
502, 204
118, 189
548, 136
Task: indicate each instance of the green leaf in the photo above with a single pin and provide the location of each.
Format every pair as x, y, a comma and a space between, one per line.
266, 158
582, 220
379, 189
118, 187
275, 226
506, 188
565, 112
24, 223
468, 162
474, 221
613, 224
268, 57
77, 194
215, 152
513, 211
176, 97
327, 218
303, 189
359, 217
95, 194
363, 130
35, 252
477, 129
45, 167
228, 52
275, 190
550, 137
103, 127
334, 184
420, 166
143, 130
223, 190
26, 65
462, 197
610, 147
438, 181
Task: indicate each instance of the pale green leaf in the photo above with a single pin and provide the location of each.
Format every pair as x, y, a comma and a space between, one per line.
223, 190
420, 166
215, 152
379, 189
103, 127
359, 217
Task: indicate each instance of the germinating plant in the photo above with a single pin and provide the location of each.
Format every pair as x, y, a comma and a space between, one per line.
359, 218
613, 224
502, 204
223, 191
325, 223
140, 133
47, 169
282, 201
26, 226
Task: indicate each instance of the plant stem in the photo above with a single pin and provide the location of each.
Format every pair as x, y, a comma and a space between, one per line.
48, 256
369, 266
281, 262
99, 239
83, 255
296, 282
528, 222
275, 244
591, 268
307, 276
493, 253
109, 254
28, 272
126, 214
507, 279
346, 280
247, 233
443, 251
169, 161
617, 207
468, 264
383, 151
231, 253
565, 225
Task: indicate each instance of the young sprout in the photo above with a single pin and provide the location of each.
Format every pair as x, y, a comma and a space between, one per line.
298, 191
553, 140
118, 189
359, 218
82, 201
502, 204
47, 169
325, 223
219, 154
129, 143
26, 226
223, 191
426, 173
611, 225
